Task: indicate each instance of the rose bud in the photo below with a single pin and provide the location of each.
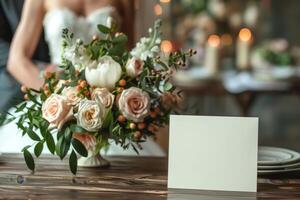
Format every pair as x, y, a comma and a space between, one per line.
121, 118
137, 135
24, 89
122, 83
141, 125
132, 125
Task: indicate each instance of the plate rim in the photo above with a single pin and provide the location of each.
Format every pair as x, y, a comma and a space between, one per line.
295, 156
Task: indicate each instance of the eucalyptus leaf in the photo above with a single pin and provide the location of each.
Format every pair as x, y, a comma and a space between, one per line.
103, 29
38, 148
29, 159
50, 143
73, 162
32, 135
79, 147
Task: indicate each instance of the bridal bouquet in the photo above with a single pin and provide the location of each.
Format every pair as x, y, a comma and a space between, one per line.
102, 94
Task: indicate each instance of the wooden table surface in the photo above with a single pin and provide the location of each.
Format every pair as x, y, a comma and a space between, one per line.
127, 178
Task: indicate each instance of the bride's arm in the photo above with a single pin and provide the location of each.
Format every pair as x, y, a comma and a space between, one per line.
24, 44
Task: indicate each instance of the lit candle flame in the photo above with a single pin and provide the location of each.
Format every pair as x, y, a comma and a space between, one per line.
158, 9
214, 40
245, 34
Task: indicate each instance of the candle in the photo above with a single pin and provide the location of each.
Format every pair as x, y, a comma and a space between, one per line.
243, 49
211, 59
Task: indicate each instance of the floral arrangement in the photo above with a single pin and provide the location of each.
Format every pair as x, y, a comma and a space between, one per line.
275, 52
103, 93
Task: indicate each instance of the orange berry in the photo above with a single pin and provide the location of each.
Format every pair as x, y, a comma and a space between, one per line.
26, 98
79, 88
46, 87
95, 37
137, 135
122, 83
132, 125
48, 75
83, 84
121, 118
152, 114
24, 89
47, 93
141, 125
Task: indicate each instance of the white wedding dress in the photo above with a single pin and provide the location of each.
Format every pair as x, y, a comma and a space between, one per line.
84, 28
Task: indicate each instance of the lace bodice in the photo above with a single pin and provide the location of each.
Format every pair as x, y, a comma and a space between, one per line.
82, 27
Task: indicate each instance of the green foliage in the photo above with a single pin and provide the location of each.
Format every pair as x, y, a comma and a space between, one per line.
79, 147
28, 159
73, 162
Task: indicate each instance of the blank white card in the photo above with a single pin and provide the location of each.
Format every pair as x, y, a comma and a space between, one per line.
213, 153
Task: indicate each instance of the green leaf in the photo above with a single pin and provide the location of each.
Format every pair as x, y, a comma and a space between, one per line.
103, 29
168, 86
29, 159
122, 38
108, 120
38, 148
50, 143
79, 147
25, 148
73, 162
77, 129
32, 135
21, 107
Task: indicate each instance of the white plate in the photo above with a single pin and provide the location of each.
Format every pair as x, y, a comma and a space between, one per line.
263, 172
283, 166
276, 156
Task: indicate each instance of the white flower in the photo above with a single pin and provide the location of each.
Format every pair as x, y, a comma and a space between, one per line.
148, 46
105, 75
134, 67
89, 115
77, 54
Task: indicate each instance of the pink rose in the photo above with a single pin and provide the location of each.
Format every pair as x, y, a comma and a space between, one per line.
134, 67
103, 96
56, 110
71, 95
88, 140
134, 104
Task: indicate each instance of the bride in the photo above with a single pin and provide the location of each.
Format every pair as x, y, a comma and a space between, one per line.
80, 17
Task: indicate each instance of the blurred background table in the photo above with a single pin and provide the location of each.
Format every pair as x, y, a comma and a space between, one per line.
127, 178
243, 86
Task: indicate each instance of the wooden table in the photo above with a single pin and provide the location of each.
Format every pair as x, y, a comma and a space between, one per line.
127, 178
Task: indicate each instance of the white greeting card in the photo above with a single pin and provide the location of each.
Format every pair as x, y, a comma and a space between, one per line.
213, 153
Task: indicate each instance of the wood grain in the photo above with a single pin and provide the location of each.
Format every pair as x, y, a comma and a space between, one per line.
127, 178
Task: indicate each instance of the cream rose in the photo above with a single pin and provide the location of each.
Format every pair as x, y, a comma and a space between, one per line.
134, 104
71, 95
103, 96
134, 67
56, 110
105, 75
90, 115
